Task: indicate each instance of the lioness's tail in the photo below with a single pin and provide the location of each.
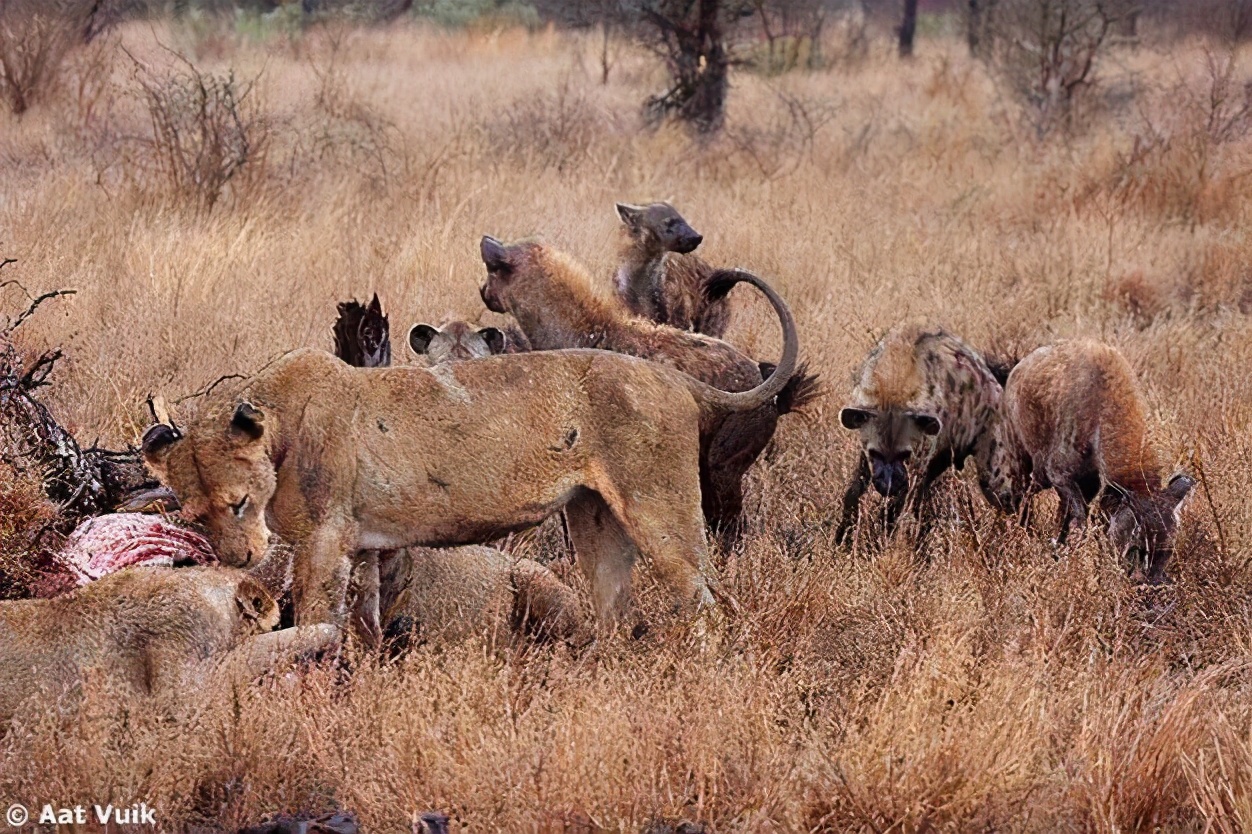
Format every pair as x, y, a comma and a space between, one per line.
718, 284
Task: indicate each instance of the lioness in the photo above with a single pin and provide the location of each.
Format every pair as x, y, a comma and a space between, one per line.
549, 294
339, 460
146, 631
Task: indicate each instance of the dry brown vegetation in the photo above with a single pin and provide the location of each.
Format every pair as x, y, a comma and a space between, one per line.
985, 684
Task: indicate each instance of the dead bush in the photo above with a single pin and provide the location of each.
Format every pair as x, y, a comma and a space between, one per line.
1047, 52
36, 37
778, 146
207, 132
548, 130
25, 513
348, 131
1184, 163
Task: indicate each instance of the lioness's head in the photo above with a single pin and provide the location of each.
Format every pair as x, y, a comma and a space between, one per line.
658, 227
892, 439
223, 476
455, 341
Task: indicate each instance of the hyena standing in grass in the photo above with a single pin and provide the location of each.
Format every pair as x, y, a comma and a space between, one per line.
924, 402
660, 279
1073, 420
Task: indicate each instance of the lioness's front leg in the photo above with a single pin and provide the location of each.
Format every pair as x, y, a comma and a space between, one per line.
321, 572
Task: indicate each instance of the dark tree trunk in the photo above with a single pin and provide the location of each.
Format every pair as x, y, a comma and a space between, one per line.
973, 31
908, 28
698, 66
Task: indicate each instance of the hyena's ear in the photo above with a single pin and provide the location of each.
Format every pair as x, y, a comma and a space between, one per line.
927, 423
420, 337
1180, 486
630, 215
854, 418
248, 422
495, 256
157, 443
494, 339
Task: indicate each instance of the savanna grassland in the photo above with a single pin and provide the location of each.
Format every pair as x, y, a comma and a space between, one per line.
989, 682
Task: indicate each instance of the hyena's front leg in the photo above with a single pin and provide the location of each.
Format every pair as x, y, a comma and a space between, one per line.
1072, 510
323, 566
852, 501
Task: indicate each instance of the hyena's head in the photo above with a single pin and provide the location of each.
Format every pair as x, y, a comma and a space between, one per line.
894, 440
455, 341
657, 228
1144, 526
511, 270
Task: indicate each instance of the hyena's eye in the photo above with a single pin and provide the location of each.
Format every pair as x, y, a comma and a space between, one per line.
238, 508
905, 454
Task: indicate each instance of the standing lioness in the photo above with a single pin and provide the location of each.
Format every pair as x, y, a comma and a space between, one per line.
337, 460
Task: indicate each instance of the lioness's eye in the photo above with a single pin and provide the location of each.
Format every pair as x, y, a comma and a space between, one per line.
238, 509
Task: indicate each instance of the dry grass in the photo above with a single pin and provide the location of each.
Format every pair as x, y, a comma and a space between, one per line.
984, 684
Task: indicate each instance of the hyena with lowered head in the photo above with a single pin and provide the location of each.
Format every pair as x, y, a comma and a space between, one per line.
659, 278
924, 402
1073, 419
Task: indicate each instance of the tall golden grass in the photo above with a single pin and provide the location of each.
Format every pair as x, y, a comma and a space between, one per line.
987, 683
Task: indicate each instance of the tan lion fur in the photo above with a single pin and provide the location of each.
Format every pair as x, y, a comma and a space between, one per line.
146, 631
341, 460
448, 595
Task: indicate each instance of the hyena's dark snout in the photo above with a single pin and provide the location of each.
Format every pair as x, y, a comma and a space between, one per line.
890, 479
490, 300
687, 240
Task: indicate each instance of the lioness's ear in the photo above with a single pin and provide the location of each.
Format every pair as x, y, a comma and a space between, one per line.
420, 337
927, 423
630, 214
493, 337
253, 599
248, 421
854, 418
157, 443
495, 255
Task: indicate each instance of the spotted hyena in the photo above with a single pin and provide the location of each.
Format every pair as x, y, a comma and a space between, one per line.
924, 402
1073, 419
660, 278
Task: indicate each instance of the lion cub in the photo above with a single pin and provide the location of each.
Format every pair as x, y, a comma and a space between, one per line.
147, 631
1073, 420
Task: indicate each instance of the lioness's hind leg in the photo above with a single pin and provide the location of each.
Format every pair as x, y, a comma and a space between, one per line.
605, 554
669, 531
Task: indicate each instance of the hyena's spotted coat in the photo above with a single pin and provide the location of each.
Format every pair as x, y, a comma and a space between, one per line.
924, 402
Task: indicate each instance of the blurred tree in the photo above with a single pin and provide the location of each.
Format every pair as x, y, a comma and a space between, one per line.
1047, 51
908, 28
690, 36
